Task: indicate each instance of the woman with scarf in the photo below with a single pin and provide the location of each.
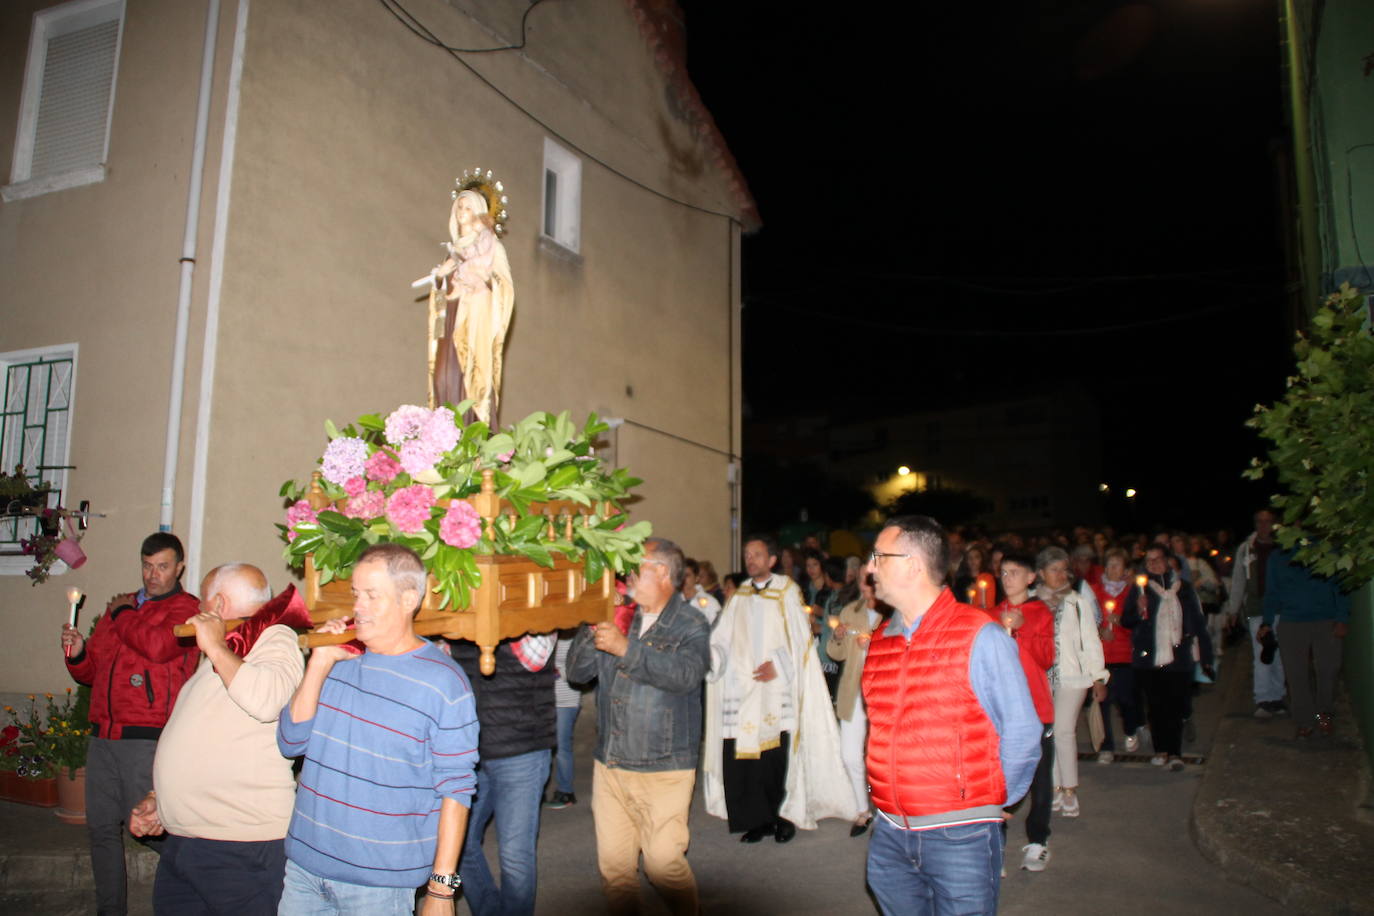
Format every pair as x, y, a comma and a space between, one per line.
1111, 589
849, 645
1168, 636
1078, 666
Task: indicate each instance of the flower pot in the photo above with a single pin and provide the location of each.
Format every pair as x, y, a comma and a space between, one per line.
25, 791
71, 796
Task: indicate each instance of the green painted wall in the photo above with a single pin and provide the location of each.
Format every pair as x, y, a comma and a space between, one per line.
1341, 107
1359, 663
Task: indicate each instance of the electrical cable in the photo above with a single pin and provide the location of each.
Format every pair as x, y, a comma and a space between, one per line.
423, 32
406, 19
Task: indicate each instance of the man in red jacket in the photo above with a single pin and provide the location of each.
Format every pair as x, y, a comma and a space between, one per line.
135, 667
953, 734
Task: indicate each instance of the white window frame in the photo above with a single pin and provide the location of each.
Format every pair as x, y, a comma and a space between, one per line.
562, 226
49, 24
18, 565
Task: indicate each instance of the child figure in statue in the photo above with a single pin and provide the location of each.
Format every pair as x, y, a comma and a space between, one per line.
478, 297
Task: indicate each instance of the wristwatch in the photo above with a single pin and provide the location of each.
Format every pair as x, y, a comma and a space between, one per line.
454, 881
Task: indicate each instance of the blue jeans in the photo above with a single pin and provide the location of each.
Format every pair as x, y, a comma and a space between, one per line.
508, 791
563, 763
305, 894
944, 870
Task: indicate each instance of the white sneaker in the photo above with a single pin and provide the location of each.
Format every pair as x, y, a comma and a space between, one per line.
1159, 760
1133, 742
1058, 803
1105, 757
1036, 858
1070, 808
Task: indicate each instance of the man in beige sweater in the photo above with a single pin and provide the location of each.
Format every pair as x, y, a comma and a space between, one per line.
222, 791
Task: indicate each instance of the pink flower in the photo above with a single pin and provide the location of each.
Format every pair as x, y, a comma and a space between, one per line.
355, 486
461, 526
370, 504
405, 422
504, 457
381, 467
299, 512
343, 458
417, 457
408, 508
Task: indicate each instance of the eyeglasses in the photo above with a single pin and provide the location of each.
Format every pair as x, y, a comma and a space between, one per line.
877, 555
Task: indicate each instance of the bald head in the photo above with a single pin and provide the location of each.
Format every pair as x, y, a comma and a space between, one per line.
236, 589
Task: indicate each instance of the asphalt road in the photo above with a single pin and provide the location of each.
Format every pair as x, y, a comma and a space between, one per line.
1129, 852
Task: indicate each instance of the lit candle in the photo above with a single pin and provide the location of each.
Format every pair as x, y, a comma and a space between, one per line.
982, 593
1111, 606
970, 595
74, 600
832, 622
1140, 581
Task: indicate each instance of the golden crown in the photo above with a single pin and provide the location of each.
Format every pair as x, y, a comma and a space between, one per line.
484, 183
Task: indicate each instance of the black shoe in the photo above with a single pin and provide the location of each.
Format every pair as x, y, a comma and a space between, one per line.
758, 833
1269, 646
784, 830
859, 829
561, 800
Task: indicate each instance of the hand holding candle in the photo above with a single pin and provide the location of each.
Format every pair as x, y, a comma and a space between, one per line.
74, 597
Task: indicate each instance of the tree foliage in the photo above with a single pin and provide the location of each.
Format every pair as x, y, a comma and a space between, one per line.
1322, 432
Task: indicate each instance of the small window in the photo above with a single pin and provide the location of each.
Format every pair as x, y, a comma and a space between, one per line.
64, 111
36, 388
562, 197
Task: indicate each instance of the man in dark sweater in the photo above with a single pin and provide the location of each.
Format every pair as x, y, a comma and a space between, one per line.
516, 710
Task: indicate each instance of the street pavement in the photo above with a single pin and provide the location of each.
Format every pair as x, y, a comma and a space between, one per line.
1130, 852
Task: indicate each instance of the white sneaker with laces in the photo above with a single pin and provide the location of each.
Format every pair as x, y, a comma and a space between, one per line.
1036, 858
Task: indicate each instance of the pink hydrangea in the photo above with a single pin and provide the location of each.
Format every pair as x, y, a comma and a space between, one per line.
355, 486
343, 459
408, 508
461, 526
417, 457
381, 467
299, 512
421, 435
369, 504
405, 422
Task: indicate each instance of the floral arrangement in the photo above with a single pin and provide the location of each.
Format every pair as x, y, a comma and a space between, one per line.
42, 546
40, 746
405, 479
18, 486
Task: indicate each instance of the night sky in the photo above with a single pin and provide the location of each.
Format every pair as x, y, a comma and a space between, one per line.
969, 201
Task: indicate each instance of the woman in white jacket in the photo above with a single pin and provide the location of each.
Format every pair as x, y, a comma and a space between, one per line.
1078, 666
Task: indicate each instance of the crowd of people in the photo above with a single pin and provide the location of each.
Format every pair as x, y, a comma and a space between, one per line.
925, 693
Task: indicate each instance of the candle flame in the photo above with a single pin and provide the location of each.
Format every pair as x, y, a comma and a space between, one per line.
1141, 580
1111, 605
73, 595
833, 622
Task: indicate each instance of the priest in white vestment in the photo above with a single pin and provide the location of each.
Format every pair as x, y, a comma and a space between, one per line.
772, 757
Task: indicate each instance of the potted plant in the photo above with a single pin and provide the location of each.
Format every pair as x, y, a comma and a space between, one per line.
43, 756
18, 495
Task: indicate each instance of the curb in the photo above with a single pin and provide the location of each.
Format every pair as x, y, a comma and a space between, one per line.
1219, 806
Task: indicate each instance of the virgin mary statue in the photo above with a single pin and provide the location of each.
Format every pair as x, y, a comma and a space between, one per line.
473, 295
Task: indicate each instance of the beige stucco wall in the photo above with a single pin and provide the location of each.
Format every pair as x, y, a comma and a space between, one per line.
350, 133
98, 266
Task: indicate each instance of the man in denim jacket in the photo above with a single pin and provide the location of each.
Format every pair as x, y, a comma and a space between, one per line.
648, 697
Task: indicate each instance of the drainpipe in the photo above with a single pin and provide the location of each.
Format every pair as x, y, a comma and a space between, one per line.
188, 268
1309, 246
206, 395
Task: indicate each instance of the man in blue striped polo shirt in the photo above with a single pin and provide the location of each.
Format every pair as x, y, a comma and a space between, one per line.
389, 738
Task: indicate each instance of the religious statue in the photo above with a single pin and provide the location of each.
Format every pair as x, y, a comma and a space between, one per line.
471, 299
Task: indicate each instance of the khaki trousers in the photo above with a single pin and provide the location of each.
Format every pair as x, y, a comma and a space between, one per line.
643, 813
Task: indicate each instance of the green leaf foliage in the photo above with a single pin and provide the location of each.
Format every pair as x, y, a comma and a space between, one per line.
1322, 450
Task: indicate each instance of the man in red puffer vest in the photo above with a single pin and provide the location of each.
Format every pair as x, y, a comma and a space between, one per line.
953, 734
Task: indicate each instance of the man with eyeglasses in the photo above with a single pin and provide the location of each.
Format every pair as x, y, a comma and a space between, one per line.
648, 717
953, 734
765, 691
